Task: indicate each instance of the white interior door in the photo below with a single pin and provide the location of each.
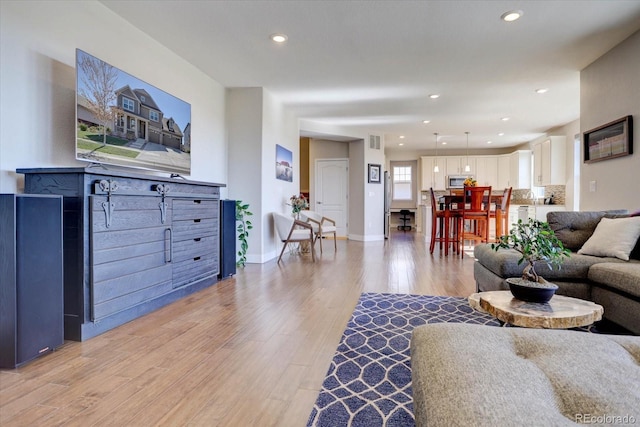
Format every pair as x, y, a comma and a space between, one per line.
332, 191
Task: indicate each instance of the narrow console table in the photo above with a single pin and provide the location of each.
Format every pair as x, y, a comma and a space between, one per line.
132, 242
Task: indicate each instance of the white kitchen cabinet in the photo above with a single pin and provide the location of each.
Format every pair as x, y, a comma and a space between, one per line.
504, 171
431, 179
487, 171
455, 165
520, 169
549, 161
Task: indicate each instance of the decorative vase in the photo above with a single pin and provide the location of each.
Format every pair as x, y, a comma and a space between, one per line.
526, 290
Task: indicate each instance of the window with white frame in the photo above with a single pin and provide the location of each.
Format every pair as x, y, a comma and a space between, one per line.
128, 104
153, 115
402, 183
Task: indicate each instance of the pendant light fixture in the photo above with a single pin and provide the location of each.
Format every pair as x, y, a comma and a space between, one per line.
436, 168
467, 168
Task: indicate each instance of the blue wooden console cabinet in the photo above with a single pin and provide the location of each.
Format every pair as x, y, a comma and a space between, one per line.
132, 242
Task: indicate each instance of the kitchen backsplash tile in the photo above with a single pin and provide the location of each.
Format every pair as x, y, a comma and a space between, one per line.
519, 197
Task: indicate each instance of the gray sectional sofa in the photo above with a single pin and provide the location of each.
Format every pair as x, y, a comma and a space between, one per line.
610, 282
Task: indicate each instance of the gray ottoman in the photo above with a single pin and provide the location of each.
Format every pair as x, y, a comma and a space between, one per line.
488, 376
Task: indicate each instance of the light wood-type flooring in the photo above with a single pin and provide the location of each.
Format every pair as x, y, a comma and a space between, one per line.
251, 350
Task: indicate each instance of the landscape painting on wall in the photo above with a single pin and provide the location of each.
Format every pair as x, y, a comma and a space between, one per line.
284, 164
121, 120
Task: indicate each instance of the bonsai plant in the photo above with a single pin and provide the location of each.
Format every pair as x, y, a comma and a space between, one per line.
244, 225
537, 243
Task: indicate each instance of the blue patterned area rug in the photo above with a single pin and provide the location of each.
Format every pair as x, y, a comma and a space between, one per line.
369, 380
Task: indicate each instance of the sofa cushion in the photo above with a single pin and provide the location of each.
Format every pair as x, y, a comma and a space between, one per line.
613, 238
504, 263
487, 376
635, 253
573, 229
624, 277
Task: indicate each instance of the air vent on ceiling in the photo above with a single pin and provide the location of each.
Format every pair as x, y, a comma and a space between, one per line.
374, 142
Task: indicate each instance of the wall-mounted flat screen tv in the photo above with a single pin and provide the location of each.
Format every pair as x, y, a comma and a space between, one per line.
123, 121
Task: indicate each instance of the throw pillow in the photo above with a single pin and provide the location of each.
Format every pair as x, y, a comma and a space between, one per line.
613, 238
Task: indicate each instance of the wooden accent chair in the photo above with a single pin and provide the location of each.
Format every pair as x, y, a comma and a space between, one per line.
321, 226
293, 231
475, 214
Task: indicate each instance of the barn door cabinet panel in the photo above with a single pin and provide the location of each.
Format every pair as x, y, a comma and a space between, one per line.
132, 242
31, 275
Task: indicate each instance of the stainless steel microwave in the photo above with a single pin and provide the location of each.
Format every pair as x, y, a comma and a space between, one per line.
457, 181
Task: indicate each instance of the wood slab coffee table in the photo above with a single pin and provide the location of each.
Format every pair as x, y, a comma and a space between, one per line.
559, 313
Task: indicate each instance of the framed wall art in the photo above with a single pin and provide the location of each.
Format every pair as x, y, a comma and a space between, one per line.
284, 164
374, 173
615, 139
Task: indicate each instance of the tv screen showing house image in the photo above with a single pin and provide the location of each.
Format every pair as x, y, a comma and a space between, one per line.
121, 120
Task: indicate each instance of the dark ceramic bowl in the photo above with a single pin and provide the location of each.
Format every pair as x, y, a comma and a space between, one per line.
531, 291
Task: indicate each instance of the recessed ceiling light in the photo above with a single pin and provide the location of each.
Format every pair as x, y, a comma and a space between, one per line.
504, 119
401, 136
501, 134
511, 15
401, 144
426, 122
542, 90
279, 38
489, 142
434, 96
444, 143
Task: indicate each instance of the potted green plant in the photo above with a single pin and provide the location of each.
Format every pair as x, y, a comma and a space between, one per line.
244, 225
537, 243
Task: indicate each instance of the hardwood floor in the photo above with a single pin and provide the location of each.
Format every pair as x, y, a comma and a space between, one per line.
251, 350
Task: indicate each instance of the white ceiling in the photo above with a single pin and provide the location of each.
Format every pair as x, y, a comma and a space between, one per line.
372, 64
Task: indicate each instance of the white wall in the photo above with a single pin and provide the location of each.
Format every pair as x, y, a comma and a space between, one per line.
37, 83
244, 132
609, 90
256, 122
279, 127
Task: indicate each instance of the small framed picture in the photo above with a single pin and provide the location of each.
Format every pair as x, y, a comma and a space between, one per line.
374, 173
609, 141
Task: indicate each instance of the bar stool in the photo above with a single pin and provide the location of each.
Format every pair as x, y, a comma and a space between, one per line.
501, 214
442, 221
476, 207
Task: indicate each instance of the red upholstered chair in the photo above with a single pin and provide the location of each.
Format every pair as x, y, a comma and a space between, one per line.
475, 213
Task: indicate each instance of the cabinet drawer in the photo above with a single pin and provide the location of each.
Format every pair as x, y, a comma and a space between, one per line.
193, 269
184, 209
188, 230
199, 247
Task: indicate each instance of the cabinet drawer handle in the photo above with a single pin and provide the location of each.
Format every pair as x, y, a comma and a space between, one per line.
197, 239
197, 201
197, 220
197, 258
170, 251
